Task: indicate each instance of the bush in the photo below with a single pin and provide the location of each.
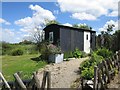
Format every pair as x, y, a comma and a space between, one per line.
68, 54
77, 53
17, 52
105, 53
88, 73
83, 54
87, 66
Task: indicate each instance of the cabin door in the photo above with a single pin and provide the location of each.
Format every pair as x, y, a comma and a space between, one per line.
86, 42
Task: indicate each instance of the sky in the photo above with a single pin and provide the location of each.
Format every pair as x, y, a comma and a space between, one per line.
19, 19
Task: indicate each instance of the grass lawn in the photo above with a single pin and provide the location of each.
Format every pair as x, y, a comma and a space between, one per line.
13, 64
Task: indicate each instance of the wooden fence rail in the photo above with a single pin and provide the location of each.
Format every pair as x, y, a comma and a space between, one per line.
31, 84
105, 72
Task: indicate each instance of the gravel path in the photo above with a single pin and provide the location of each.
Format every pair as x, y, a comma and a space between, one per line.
63, 74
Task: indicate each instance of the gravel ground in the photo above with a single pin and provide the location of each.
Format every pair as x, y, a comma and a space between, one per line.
63, 74
115, 84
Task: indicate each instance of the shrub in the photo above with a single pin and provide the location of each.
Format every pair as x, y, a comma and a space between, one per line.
88, 73
105, 53
17, 52
77, 53
87, 66
68, 54
83, 54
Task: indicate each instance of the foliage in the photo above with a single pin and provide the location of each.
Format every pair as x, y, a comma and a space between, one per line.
116, 41
26, 42
68, 54
105, 53
48, 49
87, 66
88, 73
17, 52
77, 53
54, 49
13, 64
51, 22
6, 47
83, 54
82, 26
108, 40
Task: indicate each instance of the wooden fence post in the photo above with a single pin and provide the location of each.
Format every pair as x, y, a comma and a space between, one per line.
48, 80
36, 80
107, 71
44, 80
4, 80
95, 78
19, 81
118, 64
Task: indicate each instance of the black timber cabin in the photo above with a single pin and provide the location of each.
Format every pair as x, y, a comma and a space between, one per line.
69, 38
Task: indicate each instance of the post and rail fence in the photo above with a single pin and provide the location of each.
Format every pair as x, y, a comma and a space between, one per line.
31, 84
104, 73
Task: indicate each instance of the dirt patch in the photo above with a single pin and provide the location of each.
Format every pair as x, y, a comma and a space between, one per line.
116, 82
63, 74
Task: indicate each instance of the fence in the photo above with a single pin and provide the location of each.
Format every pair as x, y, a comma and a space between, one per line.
32, 84
104, 72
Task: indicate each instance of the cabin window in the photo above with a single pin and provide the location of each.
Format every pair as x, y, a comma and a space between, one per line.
87, 37
51, 37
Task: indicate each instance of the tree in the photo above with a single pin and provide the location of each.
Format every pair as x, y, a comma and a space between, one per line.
26, 42
51, 22
105, 37
115, 41
38, 35
82, 26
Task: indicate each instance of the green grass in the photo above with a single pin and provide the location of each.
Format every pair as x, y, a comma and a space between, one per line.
13, 64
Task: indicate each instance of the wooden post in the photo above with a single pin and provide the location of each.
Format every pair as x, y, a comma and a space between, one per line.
95, 78
114, 62
103, 74
36, 80
117, 58
48, 80
19, 81
4, 80
44, 80
100, 83
107, 71
31, 84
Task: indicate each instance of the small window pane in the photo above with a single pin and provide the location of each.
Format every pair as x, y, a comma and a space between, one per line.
51, 37
87, 37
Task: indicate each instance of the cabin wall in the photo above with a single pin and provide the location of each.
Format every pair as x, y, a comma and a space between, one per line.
71, 39
56, 34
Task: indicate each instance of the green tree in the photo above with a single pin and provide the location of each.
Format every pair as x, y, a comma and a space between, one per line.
116, 41
105, 38
82, 26
51, 22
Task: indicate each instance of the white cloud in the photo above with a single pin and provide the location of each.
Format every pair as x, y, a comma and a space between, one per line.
38, 18
10, 35
2, 21
83, 16
104, 28
56, 11
7, 35
90, 8
113, 13
68, 24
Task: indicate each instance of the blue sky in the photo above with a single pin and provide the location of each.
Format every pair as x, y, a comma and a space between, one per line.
19, 18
